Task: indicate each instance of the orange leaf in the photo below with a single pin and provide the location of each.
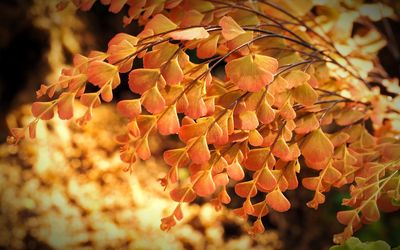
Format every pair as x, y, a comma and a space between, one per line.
107, 94
281, 149
160, 24
129, 108
370, 211
317, 147
348, 117
248, 206
247, 120
176, 157
90, 100
172, 72
260, 209
296, 78
235, 171
199, 152
245, 189
252, 72
189, 131
185, 194
100, 73
153, 101
205, 185
265, 113
141, 80
256, 159
287, 112
214, 134
208, 48
277, 201
345, 217
266, 180
306, 124
230, 29
122, 52
66, 106
32, 129
143, 150
133, 128
43, 110
168, 123
255, 138
159, 55
189, 34
305, 94
221, 179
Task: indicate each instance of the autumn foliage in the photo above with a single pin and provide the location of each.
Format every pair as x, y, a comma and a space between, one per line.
296, 94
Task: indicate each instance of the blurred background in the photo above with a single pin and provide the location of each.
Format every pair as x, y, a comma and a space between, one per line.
67, 190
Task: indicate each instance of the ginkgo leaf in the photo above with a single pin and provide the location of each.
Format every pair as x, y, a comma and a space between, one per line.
247, 120
246, 189
168, 123
100, 73
189, 34
160, 24
176, 157
260, 209
192, 130
277, 201
266, 180
305, 94
153, 101
221, 179
370, 211
248, 206
107, 94
255, 138
311, 183
32, 129
230, 29
214, 134
196, 106
281, 149
172, 72
129, 108
256, 159
66, 106
143, 149
207, 48
296, 78
317, 147
133, 128
235, 171
199, 152
178, 212
159, 55
252, 72
349, 116
185, 194
43, 110
240, 40
141, 80
306, 124
205, 185
123, 52
345, 217
265, 113
90, 100
287, 112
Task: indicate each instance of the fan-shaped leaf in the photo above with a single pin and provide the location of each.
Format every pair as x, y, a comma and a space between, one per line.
252, 72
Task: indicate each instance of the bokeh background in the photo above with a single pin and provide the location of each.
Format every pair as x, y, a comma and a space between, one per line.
67, 190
